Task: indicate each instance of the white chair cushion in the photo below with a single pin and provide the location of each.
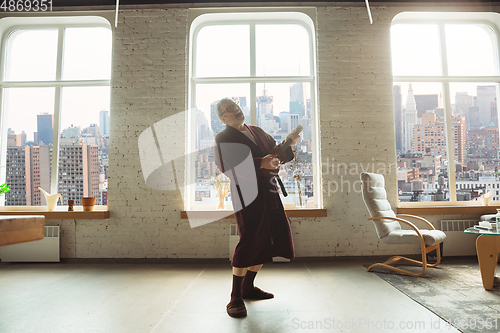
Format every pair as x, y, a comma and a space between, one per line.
431, 237
375, 198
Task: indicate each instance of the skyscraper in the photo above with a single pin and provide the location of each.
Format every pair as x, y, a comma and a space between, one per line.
297, 99
104, 123
78, 171
430, 136
398, 117
202, 128
71, 132
265, 104
215, 122
285, 122
482, 143
14, 140
410, 120
485, 95
45, 123
23, 138
294, 120
23, 175
244, 107
474, 117
463, 103
28, 167
493, 115
92, 136
265, 114
425, 103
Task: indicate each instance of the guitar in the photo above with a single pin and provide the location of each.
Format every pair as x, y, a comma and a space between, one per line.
279, 152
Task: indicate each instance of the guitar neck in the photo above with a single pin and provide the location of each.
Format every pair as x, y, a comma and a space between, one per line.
285, 145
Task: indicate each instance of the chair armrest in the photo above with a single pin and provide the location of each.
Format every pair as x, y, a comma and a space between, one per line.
414, 227
418, 218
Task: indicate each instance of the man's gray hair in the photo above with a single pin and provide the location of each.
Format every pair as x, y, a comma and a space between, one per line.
217, 108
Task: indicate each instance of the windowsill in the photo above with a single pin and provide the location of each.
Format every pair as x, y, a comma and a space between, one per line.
227, 214
448, 210
61, 212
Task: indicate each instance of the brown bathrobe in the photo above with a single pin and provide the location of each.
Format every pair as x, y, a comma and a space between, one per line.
262, 222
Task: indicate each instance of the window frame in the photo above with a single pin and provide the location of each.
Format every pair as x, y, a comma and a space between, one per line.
10, 24
491, 20
252, 16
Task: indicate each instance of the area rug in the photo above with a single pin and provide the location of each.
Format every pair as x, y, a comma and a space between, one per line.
454, 292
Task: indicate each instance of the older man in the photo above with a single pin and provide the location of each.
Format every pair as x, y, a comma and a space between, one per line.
262, 223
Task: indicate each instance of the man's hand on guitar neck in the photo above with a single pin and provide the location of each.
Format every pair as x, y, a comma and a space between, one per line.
270, 162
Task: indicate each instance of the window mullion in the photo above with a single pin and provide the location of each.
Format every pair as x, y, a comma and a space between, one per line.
316, 155
69, 83
253, 73
3, 118
3, 143
257, 79
450, 144
190, 187
458, 79
57, 116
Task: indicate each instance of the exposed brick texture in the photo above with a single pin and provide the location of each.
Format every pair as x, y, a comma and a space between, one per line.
149, 83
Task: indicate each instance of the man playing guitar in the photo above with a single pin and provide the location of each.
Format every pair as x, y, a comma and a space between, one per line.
263, 226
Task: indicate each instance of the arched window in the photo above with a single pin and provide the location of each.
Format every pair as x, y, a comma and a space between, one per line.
55, 98
446, 73
266, 62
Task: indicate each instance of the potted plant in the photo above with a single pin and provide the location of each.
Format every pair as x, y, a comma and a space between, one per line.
88, 203
4, 188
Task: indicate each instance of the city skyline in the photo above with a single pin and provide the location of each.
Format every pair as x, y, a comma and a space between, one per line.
276, 123
68, 129
77, 110
28, 167
82, 168
422, 142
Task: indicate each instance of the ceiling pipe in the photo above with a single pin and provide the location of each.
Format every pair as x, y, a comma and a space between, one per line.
367, 8
116, 15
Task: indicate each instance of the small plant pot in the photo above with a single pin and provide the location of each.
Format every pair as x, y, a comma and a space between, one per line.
88, 204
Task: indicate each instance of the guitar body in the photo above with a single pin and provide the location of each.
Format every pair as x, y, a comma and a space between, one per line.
279, 152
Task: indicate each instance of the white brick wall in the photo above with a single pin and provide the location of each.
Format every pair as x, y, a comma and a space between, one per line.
149, 81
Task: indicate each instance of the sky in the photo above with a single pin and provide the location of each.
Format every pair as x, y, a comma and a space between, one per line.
87, 55
281, 50
416, 51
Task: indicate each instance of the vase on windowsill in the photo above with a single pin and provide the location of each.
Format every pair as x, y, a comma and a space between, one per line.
221, 185
221, 204
300, 198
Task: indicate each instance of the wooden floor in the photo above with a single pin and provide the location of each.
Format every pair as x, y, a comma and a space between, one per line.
315, 295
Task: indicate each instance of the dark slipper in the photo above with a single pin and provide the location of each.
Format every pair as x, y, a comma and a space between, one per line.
236, 309
257, 294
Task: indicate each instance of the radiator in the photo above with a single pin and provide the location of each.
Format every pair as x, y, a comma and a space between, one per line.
43, 250
233, 241
458, 243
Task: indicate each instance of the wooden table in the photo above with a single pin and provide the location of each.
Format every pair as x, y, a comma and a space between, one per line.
21, 228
